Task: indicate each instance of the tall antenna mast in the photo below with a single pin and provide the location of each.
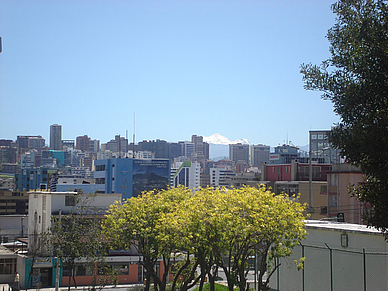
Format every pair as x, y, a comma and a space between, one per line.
134, 128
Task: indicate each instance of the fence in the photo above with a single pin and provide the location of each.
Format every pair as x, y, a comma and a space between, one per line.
332, 269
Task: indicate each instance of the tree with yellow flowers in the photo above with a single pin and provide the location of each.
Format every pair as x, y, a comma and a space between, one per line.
214, 228
138, 222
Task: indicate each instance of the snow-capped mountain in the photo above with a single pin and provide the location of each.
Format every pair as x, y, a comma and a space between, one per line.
218, 139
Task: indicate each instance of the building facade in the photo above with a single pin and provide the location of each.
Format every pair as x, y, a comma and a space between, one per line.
219, 176
82, 143
239, 152
56, 137
321, 148
285, 154
259, 154
131, 176
186, 174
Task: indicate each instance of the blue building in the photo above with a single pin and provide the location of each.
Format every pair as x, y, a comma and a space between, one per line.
31, 179
284, 155
131, 177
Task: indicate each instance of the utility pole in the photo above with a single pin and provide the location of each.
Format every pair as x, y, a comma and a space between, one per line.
58, 258
311, 209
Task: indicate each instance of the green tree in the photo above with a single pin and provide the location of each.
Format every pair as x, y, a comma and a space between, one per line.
77, 235
223, 227
140, 222
255, 220
355, 80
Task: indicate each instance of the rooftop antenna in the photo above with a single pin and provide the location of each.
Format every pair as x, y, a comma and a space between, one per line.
134, 127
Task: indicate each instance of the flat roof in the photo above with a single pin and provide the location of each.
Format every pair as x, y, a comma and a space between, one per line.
342, 227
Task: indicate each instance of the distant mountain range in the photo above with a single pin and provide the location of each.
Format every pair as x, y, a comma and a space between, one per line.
219, 146
218, 139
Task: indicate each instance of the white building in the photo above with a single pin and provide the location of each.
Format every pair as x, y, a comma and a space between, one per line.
28, 159
144, 155
186, 174
338, 256
43, 204
218, 176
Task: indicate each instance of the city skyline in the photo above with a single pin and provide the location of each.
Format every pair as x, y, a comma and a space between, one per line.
181, 68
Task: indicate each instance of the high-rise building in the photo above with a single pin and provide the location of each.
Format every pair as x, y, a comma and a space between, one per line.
131, 176
201, 148
159, 147
285, 154
239, 152
186, 174
25, 143
188, 149
94, 146
82, 143
174, 150
259, 154
321, 149
56, 137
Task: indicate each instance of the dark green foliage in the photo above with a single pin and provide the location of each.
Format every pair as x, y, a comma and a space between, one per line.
355, 80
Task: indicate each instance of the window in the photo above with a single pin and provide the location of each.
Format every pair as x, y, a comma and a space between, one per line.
100, 180
79, 270
333, 200
121, 269
100, 168
313, 136
7, 266
69, 200
334, 180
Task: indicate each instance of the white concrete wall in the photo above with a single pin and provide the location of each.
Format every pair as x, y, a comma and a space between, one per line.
343, 267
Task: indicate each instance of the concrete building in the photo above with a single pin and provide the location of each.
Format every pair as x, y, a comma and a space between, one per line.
36, 142
321, 148
186, 174
142, 155
188, 149
31, 179
329, 187
131, 176
285, 154
239, 152
339, 200
94, 146
56, 137
10, 263
243, 179
28, 142
201, 148
13, 202
28, 159
259, 154
68, 144
218, 176
82, 143
160, 148
42, 206
8, 155
175, 150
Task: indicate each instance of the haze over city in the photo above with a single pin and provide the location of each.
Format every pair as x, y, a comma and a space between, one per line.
182, 67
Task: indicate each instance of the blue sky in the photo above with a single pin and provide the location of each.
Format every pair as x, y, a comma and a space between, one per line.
183, 68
